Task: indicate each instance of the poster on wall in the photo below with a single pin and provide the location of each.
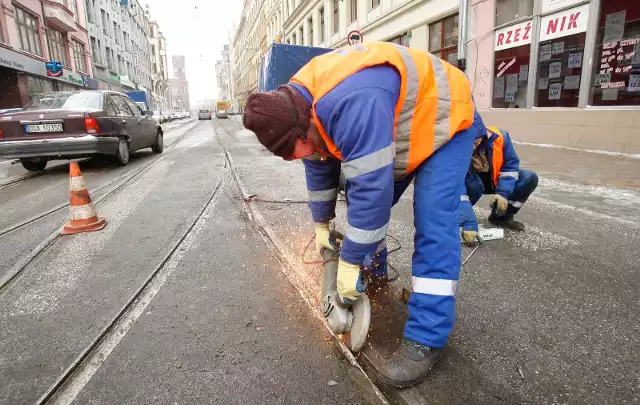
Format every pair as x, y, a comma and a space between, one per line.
555, 70
545, 53
575, 60
572, 82
557, 47
498, 87
509, 97
634, 83
512, 83
543, 83
609, 94
523, 76
614, 27
602, 78
636, 55
554, 91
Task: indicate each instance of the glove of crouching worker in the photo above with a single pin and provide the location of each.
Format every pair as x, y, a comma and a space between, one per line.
469, 237
322, 237
500, 203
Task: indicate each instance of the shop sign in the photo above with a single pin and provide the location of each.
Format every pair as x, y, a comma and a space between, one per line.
550, 5
127, 82
74, 79
515, 35
564, 23
21, 62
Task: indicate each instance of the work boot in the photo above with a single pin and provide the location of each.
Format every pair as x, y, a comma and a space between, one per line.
409, 365
507, 222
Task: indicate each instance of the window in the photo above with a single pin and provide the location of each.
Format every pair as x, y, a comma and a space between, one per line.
115, 32
90, 9
36, 86
616, 69
57, 47
443, 39
28, 32
353, 10
509, 10
375, 3
95, 52
110, 107
293, 39
74, 8
336, 16
121, 105
109, 62
301, 35
402, 39
78, 55
1, 35
511, 72
134, 107
321, 11
558, 83
310, 25
105, 22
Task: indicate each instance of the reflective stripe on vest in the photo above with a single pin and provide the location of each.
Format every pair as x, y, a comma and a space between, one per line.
434, 103
498, 154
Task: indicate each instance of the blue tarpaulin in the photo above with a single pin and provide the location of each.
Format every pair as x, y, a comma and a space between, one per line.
282, 61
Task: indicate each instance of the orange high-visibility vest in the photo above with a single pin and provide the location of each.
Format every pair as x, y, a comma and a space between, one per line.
497, 159
435, 98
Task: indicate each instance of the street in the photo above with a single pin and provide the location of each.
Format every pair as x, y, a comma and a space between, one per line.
196, 292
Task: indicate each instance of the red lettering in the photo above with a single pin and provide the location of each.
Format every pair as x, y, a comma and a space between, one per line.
509, 33
500, 38
526, 32
516, 37
564, 19
552, 27
573, 20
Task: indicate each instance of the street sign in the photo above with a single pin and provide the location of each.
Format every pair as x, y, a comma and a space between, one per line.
354, 37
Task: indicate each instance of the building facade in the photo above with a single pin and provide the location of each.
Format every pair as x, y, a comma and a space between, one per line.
33, 35
223, 75
562, 72
178, 85
159, 69
118, 33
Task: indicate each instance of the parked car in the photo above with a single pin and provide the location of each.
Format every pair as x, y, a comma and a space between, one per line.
157, 116
166, 116
70, 125
204, 114
175, 115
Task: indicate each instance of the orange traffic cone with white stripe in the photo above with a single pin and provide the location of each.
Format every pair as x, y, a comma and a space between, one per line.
83, 214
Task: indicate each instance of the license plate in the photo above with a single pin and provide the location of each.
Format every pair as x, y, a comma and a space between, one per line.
39, 128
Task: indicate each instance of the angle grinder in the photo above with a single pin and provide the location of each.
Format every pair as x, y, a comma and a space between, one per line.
352, 321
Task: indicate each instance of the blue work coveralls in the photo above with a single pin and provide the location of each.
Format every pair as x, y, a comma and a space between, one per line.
358, 115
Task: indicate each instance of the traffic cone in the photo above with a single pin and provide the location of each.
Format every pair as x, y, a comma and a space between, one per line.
83, 214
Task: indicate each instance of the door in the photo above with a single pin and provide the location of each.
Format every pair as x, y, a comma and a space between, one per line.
130, 124
148, 126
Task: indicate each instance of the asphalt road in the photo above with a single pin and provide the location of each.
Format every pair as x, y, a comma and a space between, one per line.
548, 316
218, 323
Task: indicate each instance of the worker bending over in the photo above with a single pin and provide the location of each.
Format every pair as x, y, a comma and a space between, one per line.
387, 115
495, 169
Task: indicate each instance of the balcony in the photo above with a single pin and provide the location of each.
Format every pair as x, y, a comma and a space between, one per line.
58, 16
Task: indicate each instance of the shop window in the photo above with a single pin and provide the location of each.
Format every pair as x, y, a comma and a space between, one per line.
560, 58
402, 39
57, 47
510, 10
616, 68
36, 86
336, 16
28, 32
443, 39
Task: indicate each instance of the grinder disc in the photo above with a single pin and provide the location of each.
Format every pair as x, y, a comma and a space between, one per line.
361, 311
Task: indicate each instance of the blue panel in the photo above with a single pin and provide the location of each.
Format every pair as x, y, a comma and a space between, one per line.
281, 62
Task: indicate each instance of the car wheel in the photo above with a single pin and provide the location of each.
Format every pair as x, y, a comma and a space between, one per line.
34, 165
158, 146
122, 155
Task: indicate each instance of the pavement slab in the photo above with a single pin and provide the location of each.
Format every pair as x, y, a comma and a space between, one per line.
546, 316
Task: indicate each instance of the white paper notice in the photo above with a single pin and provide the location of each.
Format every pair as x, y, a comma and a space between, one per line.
614, 27
609, 94
557, 47
554, 91
498, 87
636, 55
602, 78
575, 60
545, 53
572, 82
555, 70
512, 83
634, 83
543, 83
509, 97
524, 73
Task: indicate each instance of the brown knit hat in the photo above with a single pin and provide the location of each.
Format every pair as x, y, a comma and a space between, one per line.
278, 118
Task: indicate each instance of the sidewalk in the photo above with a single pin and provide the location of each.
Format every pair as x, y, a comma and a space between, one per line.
546, 316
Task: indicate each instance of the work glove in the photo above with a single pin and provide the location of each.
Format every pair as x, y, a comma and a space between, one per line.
322, 237
351, 283
500, 203
469, 237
